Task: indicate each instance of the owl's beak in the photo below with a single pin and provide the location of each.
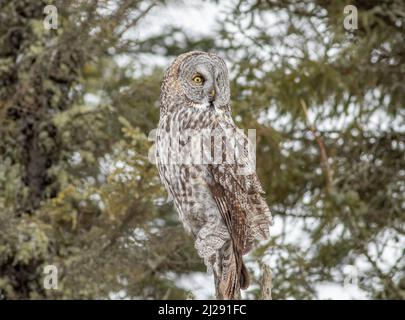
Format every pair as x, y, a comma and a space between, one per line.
212, 94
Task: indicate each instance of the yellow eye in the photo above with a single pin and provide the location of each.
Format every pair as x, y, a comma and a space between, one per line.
198, 79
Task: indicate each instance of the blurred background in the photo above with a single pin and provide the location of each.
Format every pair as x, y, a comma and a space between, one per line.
79, 98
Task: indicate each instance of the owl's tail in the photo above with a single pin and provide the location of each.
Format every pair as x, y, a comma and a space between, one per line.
231, 276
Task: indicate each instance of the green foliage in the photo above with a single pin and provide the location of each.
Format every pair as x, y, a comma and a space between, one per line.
314, 87
77, 189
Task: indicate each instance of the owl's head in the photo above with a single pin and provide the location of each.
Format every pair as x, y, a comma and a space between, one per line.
196, 79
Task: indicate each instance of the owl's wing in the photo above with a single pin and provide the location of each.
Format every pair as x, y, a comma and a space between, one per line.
239, 196
243, 210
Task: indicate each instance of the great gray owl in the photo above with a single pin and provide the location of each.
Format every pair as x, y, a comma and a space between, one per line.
210, 176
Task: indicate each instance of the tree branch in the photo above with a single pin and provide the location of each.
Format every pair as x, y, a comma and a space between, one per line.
322, 148
266, 283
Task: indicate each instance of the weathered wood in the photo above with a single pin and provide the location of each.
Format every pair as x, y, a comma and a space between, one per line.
266, 283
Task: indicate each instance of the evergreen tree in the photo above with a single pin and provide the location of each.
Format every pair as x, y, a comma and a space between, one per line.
77, 189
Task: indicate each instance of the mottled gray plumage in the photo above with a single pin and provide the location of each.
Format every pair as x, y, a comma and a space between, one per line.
222, 208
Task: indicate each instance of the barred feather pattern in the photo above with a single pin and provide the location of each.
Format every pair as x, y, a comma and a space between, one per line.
221, 208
